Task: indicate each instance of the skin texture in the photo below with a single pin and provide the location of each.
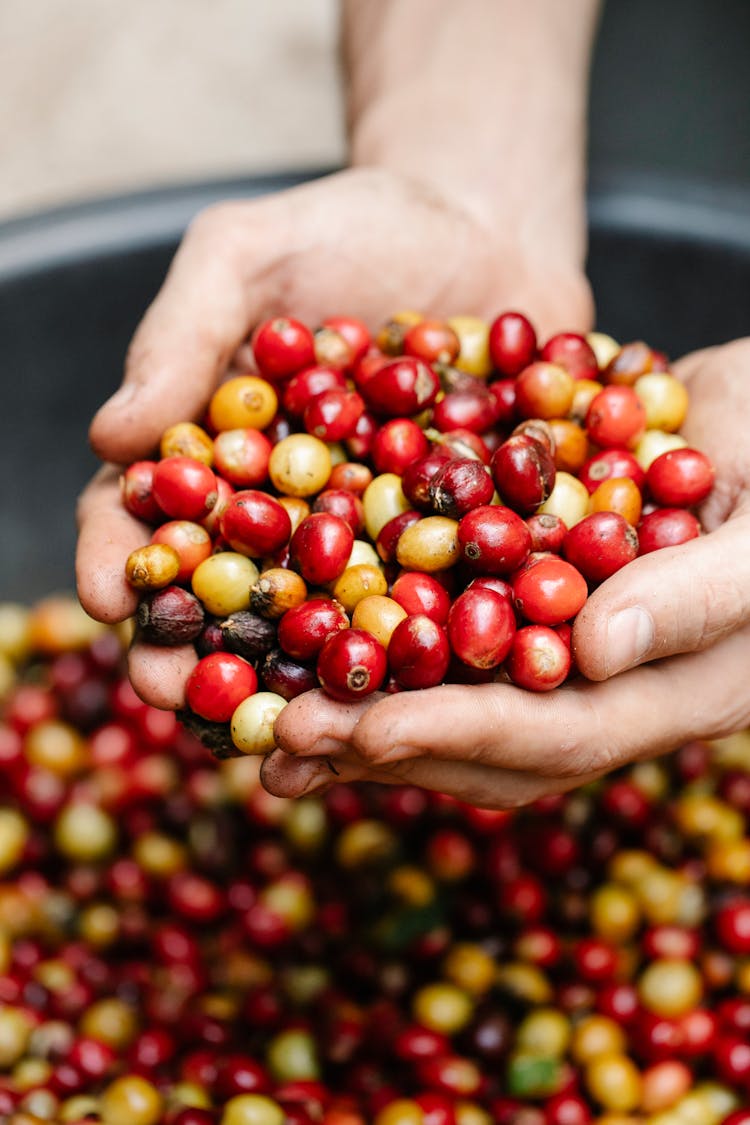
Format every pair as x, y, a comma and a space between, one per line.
487, 222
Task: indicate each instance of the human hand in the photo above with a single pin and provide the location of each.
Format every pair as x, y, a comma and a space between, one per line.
666, 642
363, 242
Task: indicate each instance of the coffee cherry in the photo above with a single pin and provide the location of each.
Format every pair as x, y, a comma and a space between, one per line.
152, 567
460, 486
282, 346
524, 473
350, 476
242, 456
430, 544
481, 625
538, 660
733, 926
130, 1100
544, 390
420, 593
137, 491
351, 665
305, 628
255, 524
616, 418
191, 542
666, 527
333, 415
466, 410
223, 583
512, 343
383, 499
612, 464
432, 341
547, 532
390, 533
665, 399
680, 478
549, 591
571, 445
286, 677
418, 476
183, 488
600, 544
276, 591
300, 465
401, 388
653, 444
621, 495
378, 616
170, 617
397, 444
252, 722
218, 684
320, 548
242, 402
418, 653
573, 353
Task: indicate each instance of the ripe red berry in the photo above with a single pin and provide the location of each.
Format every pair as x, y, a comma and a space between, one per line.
306, 385
466, 410
574, 353
351, 665
333, 415
418, 653
137, 491
493, 540
304, 629
218, 684
417, 476
550, 591
432, 341
524, 473
242, 456
666, 527
733, 925
539, 659
282, 346
680, 478
547, 532
461, 485
396, 445
255, 524
401, 388
320, 548
600, 544
417, 593
481, 626
184, 489
611, 464
544, 390
512, 343
344, 504
616, 418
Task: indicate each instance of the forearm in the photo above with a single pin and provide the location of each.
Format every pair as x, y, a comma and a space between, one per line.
484, 99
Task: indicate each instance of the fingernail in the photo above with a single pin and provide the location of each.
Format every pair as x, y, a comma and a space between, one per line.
318, 782
630, 635
325, 746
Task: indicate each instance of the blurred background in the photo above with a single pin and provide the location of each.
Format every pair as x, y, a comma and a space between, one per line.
100, 97
118, 122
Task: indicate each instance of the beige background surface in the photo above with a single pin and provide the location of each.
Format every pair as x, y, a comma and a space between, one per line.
98, 96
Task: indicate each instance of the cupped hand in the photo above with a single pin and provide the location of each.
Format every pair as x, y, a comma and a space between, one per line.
364, 242
664, 644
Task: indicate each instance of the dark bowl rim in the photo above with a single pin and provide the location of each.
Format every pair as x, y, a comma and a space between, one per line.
651, 206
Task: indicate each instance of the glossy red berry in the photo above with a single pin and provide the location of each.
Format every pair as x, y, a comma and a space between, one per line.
573, 352
550, 591
524, 473
418, 653
344, 504
481, 626
255, 524
386, 543
320, 548
396, 445
184, 489
354, 331
401, 388
466, 410
666, 527
137, 491
282, 346
306, 385
539, 659
218, 684
680, 478
333, 415
304, 629
616, 418
600, 544
242, 456
461, 485
421, 593
512, 343
433, 341
417, 476
609, 465
733, 925
547, 532
493, 540
351, 665
544, 390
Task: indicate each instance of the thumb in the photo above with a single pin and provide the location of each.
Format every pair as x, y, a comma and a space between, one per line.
675, 600
191, 331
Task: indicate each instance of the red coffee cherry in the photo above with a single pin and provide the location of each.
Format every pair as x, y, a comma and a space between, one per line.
218, 684
282, 346
680, 478
351, 665
549, 591
600, 544
512, 343
481, 626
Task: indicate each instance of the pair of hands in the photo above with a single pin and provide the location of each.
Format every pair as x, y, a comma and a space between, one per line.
663, 644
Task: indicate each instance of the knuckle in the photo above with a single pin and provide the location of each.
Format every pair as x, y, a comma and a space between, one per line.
217, 222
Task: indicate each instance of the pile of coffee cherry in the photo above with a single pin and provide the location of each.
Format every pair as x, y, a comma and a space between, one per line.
179, 947
432, 505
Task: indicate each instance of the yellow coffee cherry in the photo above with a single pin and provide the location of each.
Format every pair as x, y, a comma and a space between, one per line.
614, 911
223, 582
443, 1007
252, 1109
614, 1081
596, 1035
247, 401
665, 399
474, 337
544, 1032
383, 500
469, 967
130, 1100
300, 465
569, 499
670, 987
14, 834
85, 832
